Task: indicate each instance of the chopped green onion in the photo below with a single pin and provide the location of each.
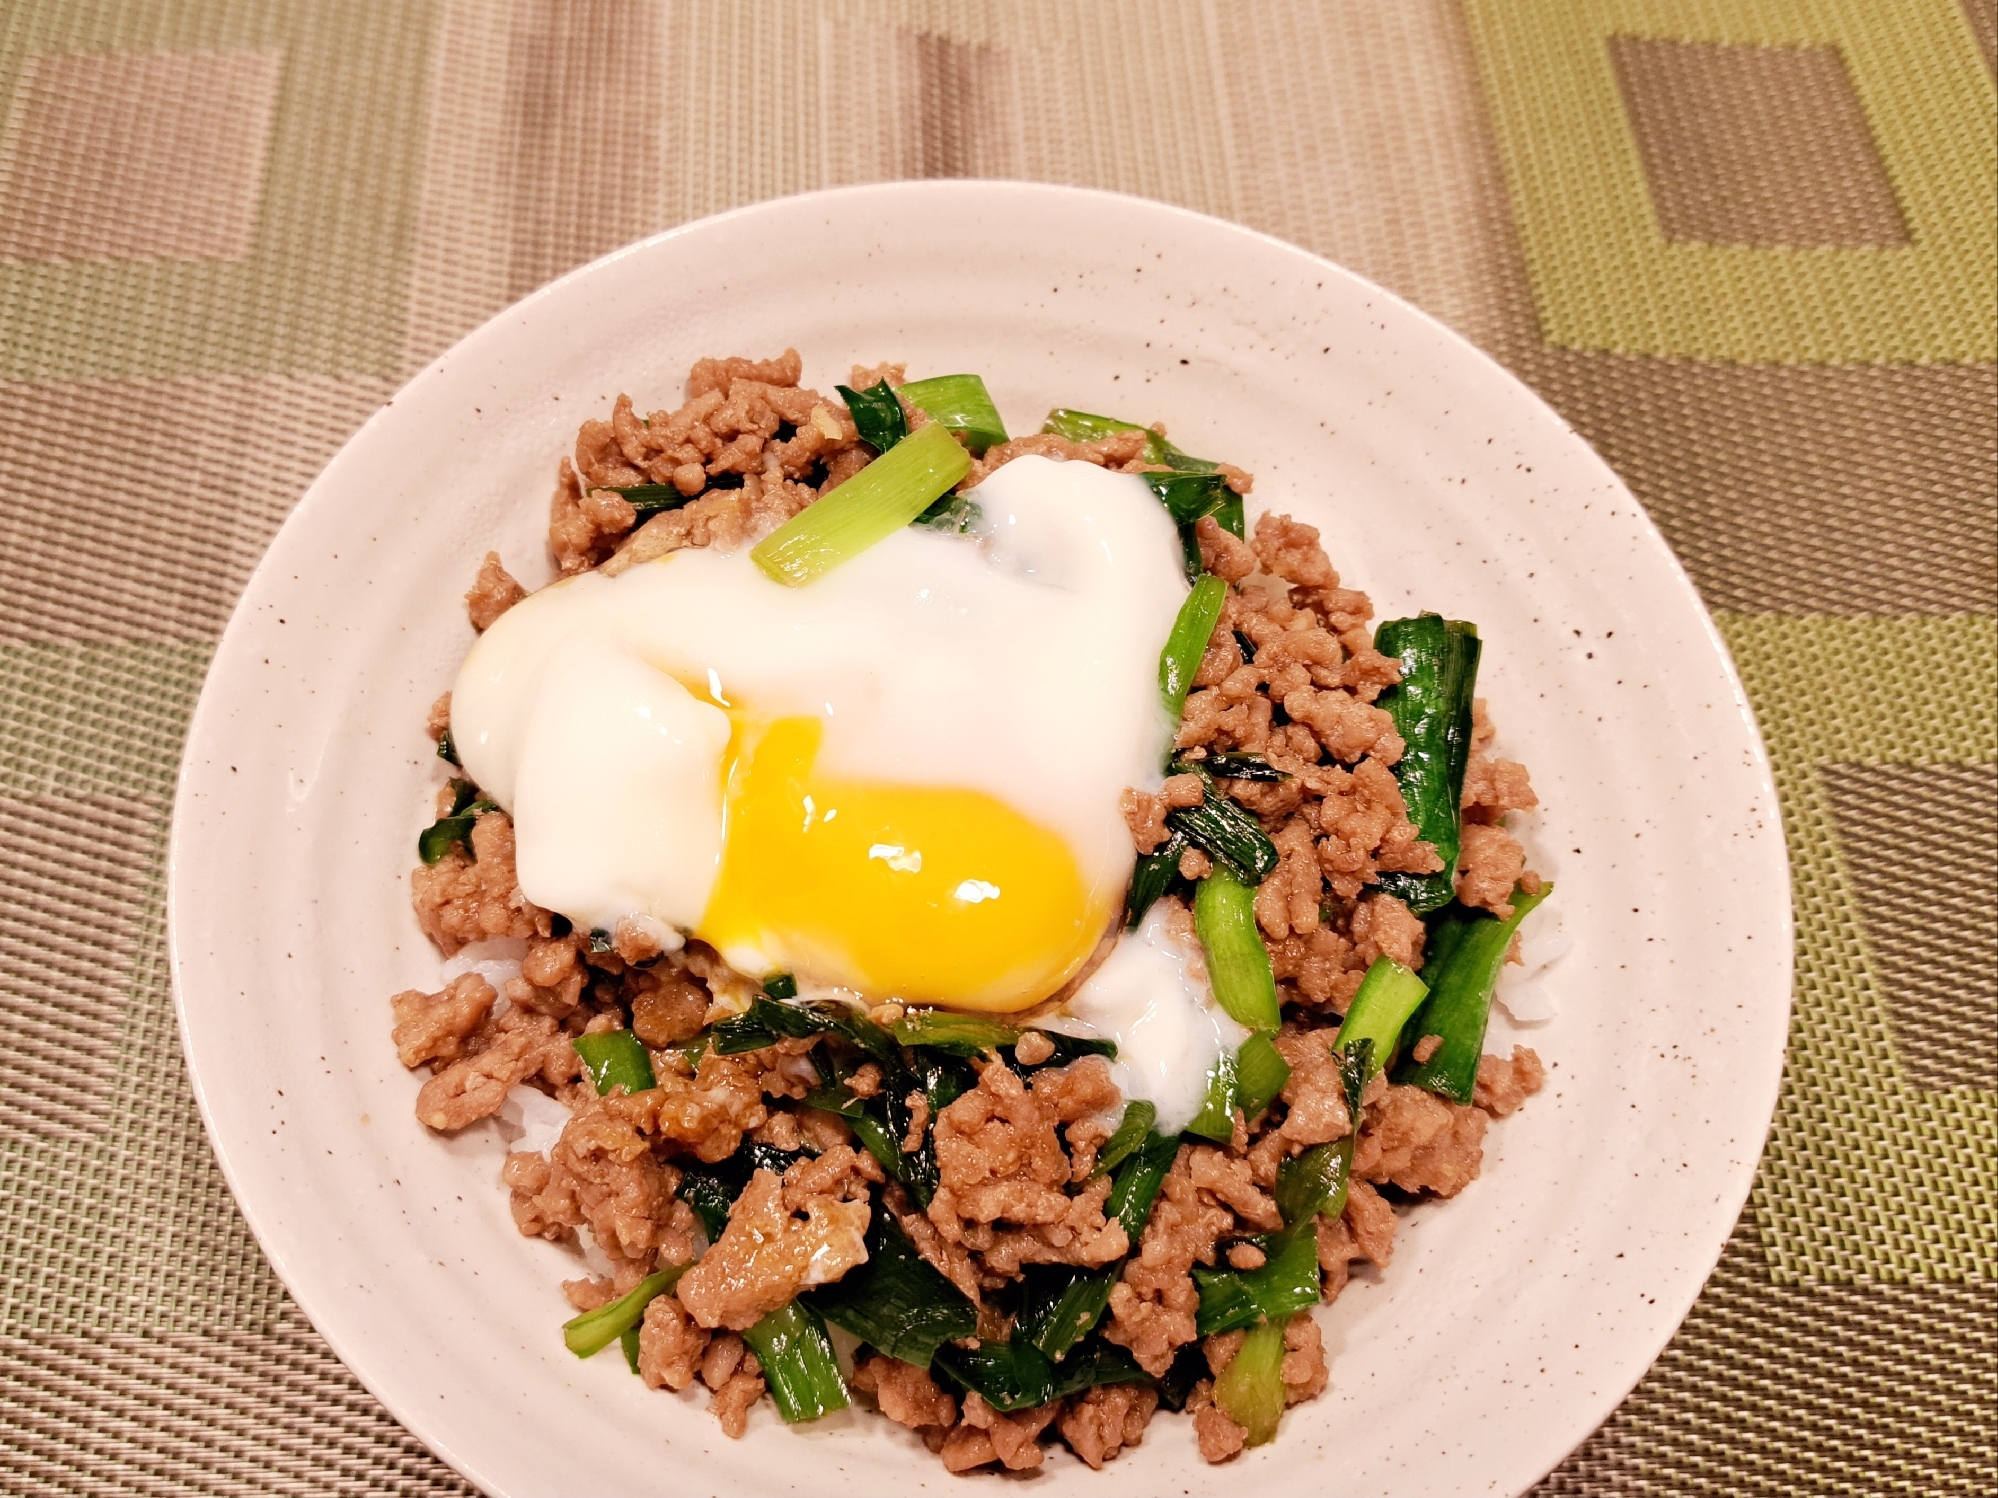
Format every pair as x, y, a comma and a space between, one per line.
1231, 516
1132, 1130
615, 1058
1238, 964
782, 987
954, 1034
1431, 706
1150, 878
1243, 767
593, 1331
798, 1363
1216, 1118
711, 1189
1288, 1281
1189, 496
877, 413
1187, 643
766, 1021
1247, 646
1314, 1182
447, 748
896, 1302
1229, 833
1466, 951
959, 403
1016, 1375
1250, 1389
601, 941
1082, 426
869, 507
1260, 1073
654, 499
454, 828
954, 514
1388, 995
628, 1339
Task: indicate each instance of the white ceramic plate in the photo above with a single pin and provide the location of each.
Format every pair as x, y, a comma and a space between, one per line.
1512, 1320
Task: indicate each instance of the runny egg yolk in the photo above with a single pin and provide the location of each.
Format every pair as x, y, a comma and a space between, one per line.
937, 895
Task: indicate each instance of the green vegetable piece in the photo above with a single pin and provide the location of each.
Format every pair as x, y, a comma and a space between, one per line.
711, 1190
954, 1034
1250, 1389
1188, 642
869, 507
1388, 995
766, 1020
593, 1331
447, 749
1216, 1118
959, 403
628, 1338
877, 413
1314, 1183
1016, 1375
1231, 516
1287, 1282
783, 987
616, 1058
454, 828
798, 1363
1238, 964
1431, 708
1260, 1073
1242, 767
954, 514
896, 1302
1466, 951
1082, 426
654, 499
1229, 833
1189, 496
1151, 877
1132, 1131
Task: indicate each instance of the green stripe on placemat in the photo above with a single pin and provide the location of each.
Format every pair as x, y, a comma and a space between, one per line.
1746, 248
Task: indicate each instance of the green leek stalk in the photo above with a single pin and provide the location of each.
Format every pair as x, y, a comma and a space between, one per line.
798, 1363
593, 1331
869, 507
616, 1058
959, 403
1466, 950
1187, 643
1250, 1390
1388, 995
1238, 964
1431, 706
1260, 1074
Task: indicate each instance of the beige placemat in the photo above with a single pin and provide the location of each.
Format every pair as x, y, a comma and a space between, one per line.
1745, 246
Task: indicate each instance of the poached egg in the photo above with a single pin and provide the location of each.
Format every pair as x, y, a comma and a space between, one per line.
901, 780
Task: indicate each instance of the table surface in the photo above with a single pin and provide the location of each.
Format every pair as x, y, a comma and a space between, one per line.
1746, 248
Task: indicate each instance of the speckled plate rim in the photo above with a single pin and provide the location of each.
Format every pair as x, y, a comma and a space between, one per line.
1482, 1356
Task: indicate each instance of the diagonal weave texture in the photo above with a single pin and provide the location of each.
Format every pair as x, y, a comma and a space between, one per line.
379, 176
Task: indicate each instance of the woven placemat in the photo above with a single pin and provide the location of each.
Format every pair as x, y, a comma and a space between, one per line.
1745, 246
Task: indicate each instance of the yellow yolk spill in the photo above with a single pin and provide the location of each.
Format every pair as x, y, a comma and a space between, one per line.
926, 894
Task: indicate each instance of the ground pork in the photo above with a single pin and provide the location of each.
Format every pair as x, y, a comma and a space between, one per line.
784, 1234
905, 1393
667, 1007
735, 1394
727, 520
1489, 865
435, 1026
1103, 1421
1304, 1372
1418, 1142
1383, 926
1371, 1221
1506, 1082
671, 1344
984, 1436
1152, 1305
468, 897
493, 592
1000, 1160
502, 1053
1218, 1437
1314, 1094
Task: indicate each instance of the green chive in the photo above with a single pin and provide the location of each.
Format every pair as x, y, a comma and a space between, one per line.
872, 505
960, 403
1238, 964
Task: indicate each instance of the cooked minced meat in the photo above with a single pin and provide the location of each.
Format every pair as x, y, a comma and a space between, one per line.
1290, 675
